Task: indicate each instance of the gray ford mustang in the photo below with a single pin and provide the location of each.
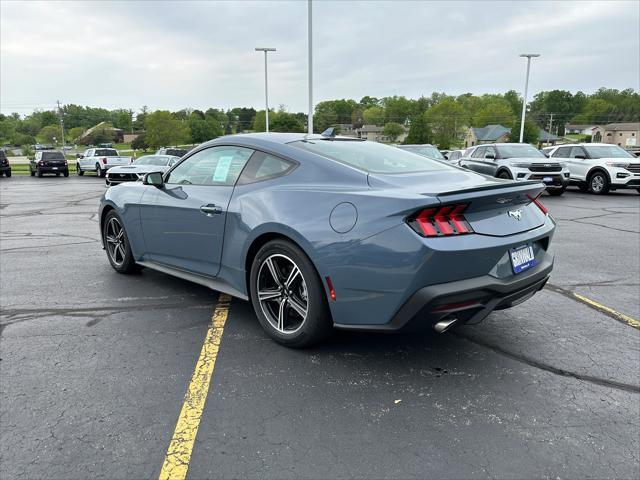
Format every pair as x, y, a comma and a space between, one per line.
322, 231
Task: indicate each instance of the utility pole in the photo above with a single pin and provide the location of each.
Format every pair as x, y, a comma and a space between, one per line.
310, 33
266, 87
550, 127
61, 123
529, 56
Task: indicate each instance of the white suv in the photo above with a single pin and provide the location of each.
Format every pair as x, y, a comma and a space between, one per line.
599, 167
517, 161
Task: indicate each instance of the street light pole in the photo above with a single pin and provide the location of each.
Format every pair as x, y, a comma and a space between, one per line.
526, 88
310, 34
266, 86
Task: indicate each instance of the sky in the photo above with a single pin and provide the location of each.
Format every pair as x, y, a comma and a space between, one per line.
174, 55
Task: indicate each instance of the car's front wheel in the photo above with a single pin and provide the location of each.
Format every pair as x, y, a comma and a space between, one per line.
599, 183
504, 174
288, 296
116, 244
79, 170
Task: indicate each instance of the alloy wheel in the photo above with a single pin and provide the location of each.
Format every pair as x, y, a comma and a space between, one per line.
114, 235
282, 293
597, 183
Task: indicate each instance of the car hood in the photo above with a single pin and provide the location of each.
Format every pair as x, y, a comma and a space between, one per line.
138, 169
533, 160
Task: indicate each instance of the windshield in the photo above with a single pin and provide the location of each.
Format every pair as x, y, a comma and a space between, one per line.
371, 157
158, 160
607, 151
519, 151
428, 151
52, 156
106, 152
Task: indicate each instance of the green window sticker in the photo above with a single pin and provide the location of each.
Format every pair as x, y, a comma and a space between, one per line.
222, 169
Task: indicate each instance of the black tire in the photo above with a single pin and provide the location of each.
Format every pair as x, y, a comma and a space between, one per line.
504, 174
556, 192
40, 174
122, 262
100, 172
79, 170
316, 324
32, 173
66, 173
599, 183
8, 173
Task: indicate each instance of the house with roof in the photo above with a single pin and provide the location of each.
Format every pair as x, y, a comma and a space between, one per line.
488, 134
621, 134
375, 133
579, 129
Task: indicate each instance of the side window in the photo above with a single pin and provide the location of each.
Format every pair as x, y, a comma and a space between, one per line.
492, 151
561, 152
479, 153
263, 166
576, 151
212, 166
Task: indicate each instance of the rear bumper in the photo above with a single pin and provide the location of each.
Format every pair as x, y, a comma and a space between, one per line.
470, 300
52, 169
5, 168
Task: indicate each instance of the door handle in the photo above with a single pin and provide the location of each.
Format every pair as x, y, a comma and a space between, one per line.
211, 209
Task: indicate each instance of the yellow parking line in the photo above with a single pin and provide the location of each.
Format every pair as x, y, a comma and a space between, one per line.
621, 316
176, 461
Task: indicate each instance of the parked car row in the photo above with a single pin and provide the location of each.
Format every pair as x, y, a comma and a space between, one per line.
5, 166
136, 170
594, 167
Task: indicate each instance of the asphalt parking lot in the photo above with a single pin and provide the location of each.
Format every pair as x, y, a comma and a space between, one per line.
95, 365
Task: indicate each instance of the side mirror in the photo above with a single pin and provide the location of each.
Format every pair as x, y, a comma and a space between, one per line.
546, 154
490, 156
79, 155
581, 157
154, 178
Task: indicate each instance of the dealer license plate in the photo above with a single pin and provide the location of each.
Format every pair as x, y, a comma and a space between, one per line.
522, 258
547, 179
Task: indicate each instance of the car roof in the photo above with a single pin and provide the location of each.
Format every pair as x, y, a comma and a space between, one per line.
272, 137
416, 145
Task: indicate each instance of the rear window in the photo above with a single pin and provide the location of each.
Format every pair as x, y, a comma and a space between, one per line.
371, 157
52, 156
106, 152
424, 150
176, 152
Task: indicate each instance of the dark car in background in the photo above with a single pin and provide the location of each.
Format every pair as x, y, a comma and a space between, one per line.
5, 166
52, 161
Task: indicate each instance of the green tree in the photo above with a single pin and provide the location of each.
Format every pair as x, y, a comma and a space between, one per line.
445, 119
397, 109
163, 129
392, 130
140, 143
419, 132
201, 128
495, 111
596, 111
373, 116
48, 133
75, 133
286, 122
531, 132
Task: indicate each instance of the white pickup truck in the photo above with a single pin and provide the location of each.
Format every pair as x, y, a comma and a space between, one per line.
99, 160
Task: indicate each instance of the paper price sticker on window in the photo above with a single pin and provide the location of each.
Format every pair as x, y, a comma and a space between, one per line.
222, 169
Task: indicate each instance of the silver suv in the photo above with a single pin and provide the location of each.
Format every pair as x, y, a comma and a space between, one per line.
517, 161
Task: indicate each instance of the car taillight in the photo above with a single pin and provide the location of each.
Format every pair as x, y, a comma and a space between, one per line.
538, 203
104, 160
66, 163
441, 221
40, 163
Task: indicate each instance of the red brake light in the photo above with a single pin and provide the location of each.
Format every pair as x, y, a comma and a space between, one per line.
538, 203
441, 222
332, 292
104, 160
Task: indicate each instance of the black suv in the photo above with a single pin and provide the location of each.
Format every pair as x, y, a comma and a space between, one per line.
49, 162
5, 166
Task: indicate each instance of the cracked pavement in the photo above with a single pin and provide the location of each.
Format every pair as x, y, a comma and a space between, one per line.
94, 366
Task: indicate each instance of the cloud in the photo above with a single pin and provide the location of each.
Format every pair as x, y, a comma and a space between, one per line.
201, 54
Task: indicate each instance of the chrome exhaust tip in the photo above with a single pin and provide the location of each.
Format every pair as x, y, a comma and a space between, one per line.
444, 325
